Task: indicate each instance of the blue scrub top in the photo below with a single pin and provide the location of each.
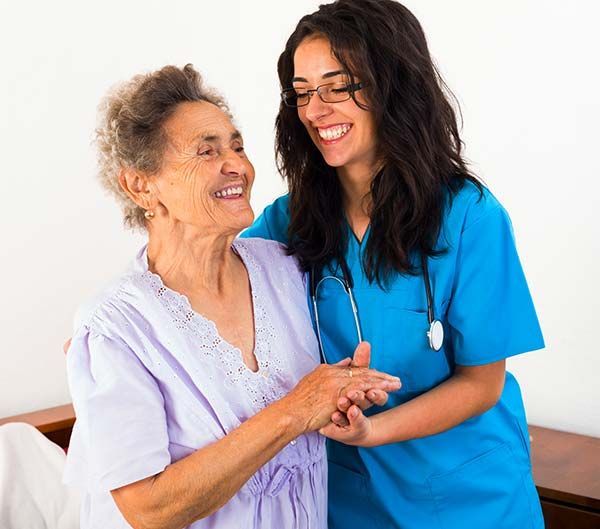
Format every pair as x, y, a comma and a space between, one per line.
477, 474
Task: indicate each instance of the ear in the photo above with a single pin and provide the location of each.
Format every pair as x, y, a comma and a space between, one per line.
136, 184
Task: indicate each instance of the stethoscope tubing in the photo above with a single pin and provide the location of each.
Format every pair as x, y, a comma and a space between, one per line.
348, 291
435, 334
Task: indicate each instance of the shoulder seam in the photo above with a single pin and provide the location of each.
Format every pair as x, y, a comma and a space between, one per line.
497, 206
104, 298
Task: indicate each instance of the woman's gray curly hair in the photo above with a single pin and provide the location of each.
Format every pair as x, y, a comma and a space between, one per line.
130, 132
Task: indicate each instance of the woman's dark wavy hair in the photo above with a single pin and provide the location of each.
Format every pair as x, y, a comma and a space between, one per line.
381, 43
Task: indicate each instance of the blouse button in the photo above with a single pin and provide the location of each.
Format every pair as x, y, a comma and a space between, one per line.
293, 443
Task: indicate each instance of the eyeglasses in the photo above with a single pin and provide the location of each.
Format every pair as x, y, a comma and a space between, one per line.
328, 93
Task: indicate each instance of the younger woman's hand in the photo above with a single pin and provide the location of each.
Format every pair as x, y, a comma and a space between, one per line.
363, 399
351, 428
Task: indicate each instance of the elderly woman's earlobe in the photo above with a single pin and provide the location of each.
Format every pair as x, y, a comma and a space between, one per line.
135, 186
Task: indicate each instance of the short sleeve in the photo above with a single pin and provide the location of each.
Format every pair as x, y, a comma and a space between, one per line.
272, 223
120, 434
491, 314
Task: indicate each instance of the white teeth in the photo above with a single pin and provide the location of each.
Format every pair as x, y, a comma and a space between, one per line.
333, 133
229, 191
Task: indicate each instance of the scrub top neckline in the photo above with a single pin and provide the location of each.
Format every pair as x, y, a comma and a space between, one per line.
353, 236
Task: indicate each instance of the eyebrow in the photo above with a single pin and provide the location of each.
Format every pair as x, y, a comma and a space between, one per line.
212, 137
324, 76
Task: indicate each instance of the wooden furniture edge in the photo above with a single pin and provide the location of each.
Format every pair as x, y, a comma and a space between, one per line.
566, 467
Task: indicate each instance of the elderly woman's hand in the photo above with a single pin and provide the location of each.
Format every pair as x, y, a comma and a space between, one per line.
313, 401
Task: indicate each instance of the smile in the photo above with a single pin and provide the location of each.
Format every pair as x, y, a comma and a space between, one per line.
334, 132
230, 192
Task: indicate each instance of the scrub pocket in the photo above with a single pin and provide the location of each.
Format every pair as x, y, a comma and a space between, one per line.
407, 352
488, 492
350, 503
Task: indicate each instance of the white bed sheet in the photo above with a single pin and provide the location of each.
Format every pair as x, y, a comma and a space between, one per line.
32, 495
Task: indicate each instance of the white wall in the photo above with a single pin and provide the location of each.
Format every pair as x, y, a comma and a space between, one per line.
525, 73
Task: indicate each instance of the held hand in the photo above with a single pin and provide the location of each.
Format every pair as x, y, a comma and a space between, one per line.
364, 400
352, 428
314, 399
362, 358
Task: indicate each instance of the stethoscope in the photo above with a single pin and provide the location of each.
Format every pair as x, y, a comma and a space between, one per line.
435, 334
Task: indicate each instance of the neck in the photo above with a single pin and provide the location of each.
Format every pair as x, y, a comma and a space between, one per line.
356, 189
189, 260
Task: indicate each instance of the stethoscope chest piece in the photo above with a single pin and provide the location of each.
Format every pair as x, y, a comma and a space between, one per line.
436, 335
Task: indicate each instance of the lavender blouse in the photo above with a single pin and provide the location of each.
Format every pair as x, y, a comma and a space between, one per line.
152, 381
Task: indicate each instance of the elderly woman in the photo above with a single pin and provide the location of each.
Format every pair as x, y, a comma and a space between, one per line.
195, 375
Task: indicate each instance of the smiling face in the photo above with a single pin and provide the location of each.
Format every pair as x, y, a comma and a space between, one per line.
343, 132
205, 178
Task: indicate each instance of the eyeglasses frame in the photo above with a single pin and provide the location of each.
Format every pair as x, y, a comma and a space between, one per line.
352, 88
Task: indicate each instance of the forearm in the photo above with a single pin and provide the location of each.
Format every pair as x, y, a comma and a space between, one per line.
198, 485
201, 483
454, 401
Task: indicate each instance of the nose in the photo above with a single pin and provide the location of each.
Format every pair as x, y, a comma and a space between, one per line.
316, 108
233, 164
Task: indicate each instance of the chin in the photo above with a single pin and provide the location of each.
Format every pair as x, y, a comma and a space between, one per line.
245, 220
335, 161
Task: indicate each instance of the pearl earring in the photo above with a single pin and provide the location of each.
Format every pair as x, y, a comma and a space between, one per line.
149, 214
